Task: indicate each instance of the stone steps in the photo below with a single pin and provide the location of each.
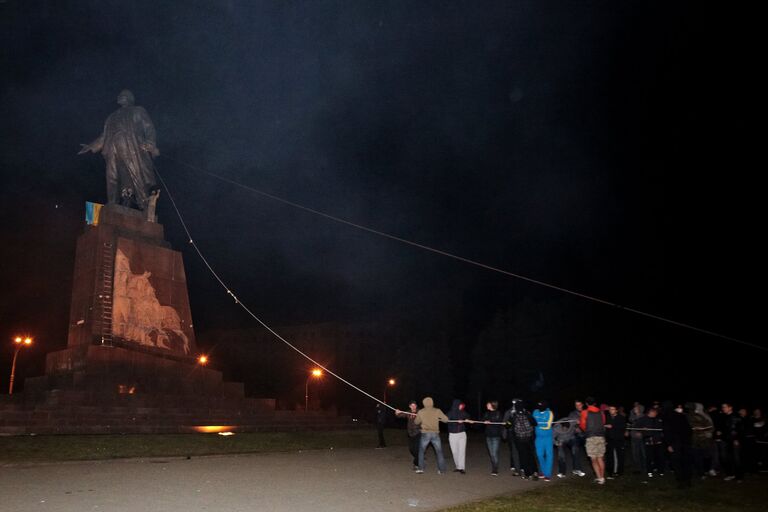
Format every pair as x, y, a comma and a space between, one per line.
124, 426
73, 413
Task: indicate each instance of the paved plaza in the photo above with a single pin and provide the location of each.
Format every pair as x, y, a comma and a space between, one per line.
367, 480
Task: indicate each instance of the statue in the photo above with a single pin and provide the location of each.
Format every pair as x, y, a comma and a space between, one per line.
128, 146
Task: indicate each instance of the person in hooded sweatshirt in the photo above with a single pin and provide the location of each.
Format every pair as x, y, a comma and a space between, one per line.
564, 435
429, 419
703, 439
593, 425
508, 435
524, 430
457, 434
543, 439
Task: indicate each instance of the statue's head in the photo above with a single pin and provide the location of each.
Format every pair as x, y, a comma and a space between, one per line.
125, 98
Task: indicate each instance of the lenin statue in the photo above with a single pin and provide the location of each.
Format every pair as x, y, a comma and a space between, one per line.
128, 146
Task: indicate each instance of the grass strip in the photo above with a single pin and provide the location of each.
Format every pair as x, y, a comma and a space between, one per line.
31, 449
632, 494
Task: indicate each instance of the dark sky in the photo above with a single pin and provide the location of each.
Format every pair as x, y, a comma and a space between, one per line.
606, 147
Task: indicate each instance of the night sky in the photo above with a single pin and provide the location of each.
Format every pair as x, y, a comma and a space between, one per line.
605, 147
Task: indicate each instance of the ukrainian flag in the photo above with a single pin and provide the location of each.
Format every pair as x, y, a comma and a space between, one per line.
92, 212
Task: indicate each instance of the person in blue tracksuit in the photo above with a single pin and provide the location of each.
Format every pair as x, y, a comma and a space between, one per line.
544, 442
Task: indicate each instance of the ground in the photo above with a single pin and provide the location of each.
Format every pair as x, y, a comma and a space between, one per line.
319, 480
341, 472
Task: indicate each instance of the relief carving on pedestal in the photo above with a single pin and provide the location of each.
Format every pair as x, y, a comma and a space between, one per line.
139, 316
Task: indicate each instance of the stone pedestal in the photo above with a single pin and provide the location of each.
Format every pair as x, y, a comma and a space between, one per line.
129, 286
130, 325
130, 363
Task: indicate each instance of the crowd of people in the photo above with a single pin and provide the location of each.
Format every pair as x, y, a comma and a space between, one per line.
684, 438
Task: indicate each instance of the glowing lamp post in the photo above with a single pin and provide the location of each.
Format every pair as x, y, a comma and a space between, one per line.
20, 341
316, 373
202, 360
390, 384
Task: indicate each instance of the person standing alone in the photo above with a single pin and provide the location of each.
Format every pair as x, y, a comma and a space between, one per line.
381, 421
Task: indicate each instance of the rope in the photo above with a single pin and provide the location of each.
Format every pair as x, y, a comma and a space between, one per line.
506, 423
247, 310
469, 261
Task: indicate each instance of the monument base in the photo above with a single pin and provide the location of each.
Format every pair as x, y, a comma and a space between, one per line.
130, 365
106, 371
94, 389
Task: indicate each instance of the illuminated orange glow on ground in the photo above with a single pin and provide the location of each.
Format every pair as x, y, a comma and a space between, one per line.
213, 429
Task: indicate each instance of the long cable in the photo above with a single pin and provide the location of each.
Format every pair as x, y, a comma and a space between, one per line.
247, 310
470, 261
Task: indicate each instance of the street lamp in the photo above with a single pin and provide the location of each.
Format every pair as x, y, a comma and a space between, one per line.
20, 341
390, 383
316, 373
202, 360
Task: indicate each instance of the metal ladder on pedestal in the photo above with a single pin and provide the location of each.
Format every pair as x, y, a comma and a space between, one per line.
105, 295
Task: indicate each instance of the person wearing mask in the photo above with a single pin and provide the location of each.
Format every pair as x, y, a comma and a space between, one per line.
457, 434
493, 433
615, 432
508, 436
592, 423
429, 419
413, 430
543, 439
523, 431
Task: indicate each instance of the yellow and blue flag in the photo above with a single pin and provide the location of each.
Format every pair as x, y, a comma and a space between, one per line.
92, 212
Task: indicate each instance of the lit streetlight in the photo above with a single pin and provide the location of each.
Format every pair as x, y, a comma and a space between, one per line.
20, 341
390, 384
315, 373
202, 360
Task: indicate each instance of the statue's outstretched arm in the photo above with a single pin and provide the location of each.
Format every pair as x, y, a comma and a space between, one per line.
93, 147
